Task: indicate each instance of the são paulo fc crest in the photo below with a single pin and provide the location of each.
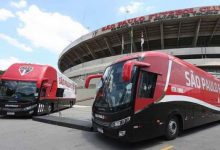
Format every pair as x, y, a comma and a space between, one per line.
25, 70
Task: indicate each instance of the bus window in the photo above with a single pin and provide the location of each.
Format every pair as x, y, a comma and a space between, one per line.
60, 92
147, 84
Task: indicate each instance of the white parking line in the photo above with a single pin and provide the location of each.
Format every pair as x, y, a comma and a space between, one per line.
81, 106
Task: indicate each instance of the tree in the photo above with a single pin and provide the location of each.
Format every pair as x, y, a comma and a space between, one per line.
1, 72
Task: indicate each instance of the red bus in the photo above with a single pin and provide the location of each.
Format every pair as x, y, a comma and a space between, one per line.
31, 89
150, 94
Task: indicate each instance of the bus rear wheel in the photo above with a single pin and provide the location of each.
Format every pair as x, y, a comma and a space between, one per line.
172, 128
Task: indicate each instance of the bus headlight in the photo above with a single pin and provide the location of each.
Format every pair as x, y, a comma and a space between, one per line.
120, 122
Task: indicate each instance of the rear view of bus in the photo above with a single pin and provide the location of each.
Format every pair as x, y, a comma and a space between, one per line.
150, 94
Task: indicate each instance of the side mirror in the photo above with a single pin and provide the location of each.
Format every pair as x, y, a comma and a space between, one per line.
0, 80
88, 78
42, 82
46, 85
128, 66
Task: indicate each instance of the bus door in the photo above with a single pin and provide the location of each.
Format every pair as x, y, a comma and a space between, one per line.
144, 97
145, 90
43, 102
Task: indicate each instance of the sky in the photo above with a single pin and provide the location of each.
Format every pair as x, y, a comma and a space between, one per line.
36, 31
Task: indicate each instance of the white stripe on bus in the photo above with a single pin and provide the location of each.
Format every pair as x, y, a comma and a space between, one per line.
180, 98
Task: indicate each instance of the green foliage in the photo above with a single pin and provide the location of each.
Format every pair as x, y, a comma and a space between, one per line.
1, 72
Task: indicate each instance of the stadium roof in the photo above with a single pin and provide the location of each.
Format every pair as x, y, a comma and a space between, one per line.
191, 27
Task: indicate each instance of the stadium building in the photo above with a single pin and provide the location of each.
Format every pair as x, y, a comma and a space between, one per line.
192, 34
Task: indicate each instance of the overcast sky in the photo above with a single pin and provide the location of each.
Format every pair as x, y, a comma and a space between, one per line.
36, 31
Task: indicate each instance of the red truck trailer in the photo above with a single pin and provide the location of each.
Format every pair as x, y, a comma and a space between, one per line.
150, 94
31, 89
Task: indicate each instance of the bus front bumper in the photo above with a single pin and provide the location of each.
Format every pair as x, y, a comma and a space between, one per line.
19, 111
123, 133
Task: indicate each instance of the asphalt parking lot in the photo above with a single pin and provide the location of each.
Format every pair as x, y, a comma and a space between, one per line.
26, 134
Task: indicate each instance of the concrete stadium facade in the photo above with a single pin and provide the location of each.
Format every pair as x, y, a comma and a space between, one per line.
192, 34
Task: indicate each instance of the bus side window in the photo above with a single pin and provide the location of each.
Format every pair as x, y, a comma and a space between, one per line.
60, 92
147, 84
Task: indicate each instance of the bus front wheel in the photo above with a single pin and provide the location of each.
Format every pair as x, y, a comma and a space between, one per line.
172, 128
71, 104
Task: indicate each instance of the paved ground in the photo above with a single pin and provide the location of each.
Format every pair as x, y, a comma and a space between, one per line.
77, 112
86, 103
77, 117
26, 134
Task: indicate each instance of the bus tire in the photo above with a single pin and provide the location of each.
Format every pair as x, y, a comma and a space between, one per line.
36, 111
71, 104
50, 108
172, 128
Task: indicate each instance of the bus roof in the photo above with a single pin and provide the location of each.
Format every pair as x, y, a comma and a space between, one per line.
160, 55
25, 72
142, 55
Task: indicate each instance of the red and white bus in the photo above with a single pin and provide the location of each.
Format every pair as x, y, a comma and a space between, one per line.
31, 89
150, 94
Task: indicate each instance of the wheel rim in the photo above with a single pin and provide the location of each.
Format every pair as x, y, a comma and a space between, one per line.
172, 126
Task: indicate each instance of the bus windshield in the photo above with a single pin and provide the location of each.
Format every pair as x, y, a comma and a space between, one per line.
17, 90
113, 92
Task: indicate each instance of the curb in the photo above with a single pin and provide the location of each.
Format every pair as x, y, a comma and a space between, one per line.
65, 122
86, 99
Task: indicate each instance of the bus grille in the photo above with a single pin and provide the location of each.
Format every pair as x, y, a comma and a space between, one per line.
12, 109
102, 123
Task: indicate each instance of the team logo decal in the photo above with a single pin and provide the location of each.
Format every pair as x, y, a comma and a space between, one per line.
25, 70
